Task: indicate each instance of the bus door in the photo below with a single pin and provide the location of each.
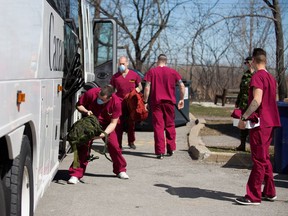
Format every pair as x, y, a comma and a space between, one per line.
105, 50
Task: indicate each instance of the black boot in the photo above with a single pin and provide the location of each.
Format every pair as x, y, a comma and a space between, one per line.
241, 147
243, 137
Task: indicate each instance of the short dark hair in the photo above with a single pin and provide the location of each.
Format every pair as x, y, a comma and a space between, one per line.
259, 55
246, 61
107, 90
249, 58
162, 57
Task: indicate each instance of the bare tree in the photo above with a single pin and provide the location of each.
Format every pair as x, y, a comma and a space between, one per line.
282, 85
142, 23
258, 14
214, 77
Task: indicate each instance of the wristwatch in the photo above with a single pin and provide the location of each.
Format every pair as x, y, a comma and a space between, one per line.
242, 118
145, 102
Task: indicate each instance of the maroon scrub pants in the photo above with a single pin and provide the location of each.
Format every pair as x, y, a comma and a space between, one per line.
262, 170
128, 126
163, 116
125, 124
119, 162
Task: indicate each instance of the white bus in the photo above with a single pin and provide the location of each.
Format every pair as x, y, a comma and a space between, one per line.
49, 51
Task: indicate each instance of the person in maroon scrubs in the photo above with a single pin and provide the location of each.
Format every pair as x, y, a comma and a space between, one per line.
124, 81
160, 86
106, 106
262, 102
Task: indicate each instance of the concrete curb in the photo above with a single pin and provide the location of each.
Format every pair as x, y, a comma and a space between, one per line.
196, 147
198, 150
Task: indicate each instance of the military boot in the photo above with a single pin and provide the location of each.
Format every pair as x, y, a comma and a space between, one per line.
243, 138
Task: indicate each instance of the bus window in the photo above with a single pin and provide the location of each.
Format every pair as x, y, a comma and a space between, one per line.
67, 9
105, 50
72, 71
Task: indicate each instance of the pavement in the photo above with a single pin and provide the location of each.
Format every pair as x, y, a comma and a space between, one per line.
224, 145
179, 185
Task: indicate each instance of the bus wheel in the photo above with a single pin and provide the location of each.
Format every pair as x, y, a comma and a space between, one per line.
19, 182
2, 199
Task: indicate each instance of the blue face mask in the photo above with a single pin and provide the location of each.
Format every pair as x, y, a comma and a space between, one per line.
99, 101
121, 68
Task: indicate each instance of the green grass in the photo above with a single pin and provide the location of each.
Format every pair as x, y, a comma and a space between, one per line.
198, 110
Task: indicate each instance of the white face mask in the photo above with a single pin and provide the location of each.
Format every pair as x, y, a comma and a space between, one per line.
122, 68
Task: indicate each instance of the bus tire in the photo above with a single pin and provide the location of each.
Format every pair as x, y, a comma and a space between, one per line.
19, 182
2, 199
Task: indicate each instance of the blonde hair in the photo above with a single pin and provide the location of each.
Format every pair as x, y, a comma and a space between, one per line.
127, 60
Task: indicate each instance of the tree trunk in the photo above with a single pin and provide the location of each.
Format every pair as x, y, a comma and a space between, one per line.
97, 3
280, 69
282, 86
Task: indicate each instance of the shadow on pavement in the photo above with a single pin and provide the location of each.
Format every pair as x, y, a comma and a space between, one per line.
239, 161
99, 175
61, 175
191, 192
281, 180
139, 154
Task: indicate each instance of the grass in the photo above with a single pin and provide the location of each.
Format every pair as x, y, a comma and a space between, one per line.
229, 150
219, 149
200, 111
214, 124
217, 126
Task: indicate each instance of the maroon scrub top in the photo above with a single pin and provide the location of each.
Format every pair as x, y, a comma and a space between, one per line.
163, 81
125, 85
104, 112
267, 111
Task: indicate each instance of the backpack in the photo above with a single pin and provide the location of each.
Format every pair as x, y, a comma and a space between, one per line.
136, 107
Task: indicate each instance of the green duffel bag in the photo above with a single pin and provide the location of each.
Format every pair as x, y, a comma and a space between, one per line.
84, 130
81, 132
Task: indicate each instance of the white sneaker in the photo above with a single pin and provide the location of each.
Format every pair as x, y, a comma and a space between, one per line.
271, 198
123, 175
73, 180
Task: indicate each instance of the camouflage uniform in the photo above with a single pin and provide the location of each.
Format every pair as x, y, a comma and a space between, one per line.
242, 99
242, 103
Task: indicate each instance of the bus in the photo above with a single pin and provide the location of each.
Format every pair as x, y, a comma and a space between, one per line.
51, 50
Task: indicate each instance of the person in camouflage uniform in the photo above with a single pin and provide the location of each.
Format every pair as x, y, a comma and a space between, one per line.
242, 99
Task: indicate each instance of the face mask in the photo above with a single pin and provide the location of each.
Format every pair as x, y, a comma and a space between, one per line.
99, 101
121, 68
253, 67
246, 67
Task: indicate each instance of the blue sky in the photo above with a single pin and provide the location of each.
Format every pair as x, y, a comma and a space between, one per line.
224, 8
179, 30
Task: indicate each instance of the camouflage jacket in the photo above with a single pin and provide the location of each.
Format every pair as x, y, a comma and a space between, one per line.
242, 99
